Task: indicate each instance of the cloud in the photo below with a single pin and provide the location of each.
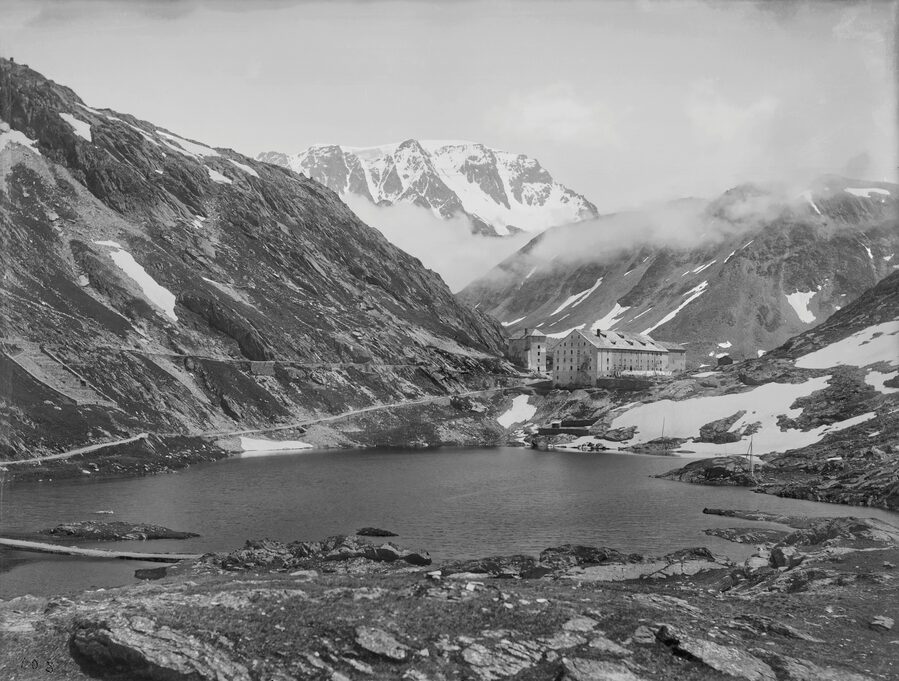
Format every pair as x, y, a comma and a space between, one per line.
715, 119
446, 246
559, 113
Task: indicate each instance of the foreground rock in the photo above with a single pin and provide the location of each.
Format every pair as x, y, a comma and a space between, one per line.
335, 553
434, 625
375, 532
115, 531
721, 470
590, 563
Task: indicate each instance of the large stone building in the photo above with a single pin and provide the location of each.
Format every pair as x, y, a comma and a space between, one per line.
580, 358
528, 350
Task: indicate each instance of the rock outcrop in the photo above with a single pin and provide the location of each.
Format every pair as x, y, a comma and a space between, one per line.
115, 531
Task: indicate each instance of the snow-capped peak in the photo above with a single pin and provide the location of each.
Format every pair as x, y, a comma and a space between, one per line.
501, 192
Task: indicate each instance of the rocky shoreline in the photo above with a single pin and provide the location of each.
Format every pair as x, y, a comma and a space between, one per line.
816, 601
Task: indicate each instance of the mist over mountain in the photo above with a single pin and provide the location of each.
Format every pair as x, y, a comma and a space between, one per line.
736, 275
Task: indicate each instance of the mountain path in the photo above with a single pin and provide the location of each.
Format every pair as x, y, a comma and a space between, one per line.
78, 450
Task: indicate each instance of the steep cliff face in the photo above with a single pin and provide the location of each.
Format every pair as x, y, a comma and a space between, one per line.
500, 192
758, 269
143, 273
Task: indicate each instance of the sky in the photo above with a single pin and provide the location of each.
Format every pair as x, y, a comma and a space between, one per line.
624, 102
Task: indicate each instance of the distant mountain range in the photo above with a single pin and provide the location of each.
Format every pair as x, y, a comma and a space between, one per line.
500, 192
761, 267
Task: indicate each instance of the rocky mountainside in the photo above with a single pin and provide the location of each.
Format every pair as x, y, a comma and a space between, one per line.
500, 192
152, 283
738, 275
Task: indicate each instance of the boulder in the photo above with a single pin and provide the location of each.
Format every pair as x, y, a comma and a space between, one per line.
375, 532
571, 555
724, 659
881, 623
116, 646
380, 643
721, 470
584, 669
719, 431
785, 557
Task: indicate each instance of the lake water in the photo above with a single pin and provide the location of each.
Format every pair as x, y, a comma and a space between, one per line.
452, 502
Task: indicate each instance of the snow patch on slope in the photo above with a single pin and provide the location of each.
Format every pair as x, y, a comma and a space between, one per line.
799, 302
186, 146
692, 294
866, 191
877, 343
878, 378
577, 298
519, 412
247, 169
216, 176
158, 295
10, 136
81, 128
259, 446
763, 404
611, 319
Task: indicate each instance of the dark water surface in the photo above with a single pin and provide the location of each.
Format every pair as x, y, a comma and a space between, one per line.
451, 502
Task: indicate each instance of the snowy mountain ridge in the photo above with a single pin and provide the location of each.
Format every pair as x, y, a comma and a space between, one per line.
500, 192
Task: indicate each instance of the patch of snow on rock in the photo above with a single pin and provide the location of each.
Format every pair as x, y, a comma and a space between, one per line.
186, 146
81, 128
866, 191
514, 321
158, 295
877, 379
519, 412
10, 136
611, 319
577, 298
799, 302
807, 195
877, 343
683, 418
725, 344
216, 176
247, 169
692, 295
253, 445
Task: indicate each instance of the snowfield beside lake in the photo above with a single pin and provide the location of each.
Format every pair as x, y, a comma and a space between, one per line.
519, 412
256, 446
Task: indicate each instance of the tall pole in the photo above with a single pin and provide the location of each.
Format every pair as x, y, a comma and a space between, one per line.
751, 462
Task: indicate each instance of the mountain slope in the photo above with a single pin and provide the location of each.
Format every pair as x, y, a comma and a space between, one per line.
766, 268
500, 192
153, 283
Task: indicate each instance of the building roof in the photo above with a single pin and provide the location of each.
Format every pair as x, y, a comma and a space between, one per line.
672, 347
618, 340
529, 333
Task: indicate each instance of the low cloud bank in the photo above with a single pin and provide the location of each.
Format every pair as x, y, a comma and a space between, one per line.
446, 246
